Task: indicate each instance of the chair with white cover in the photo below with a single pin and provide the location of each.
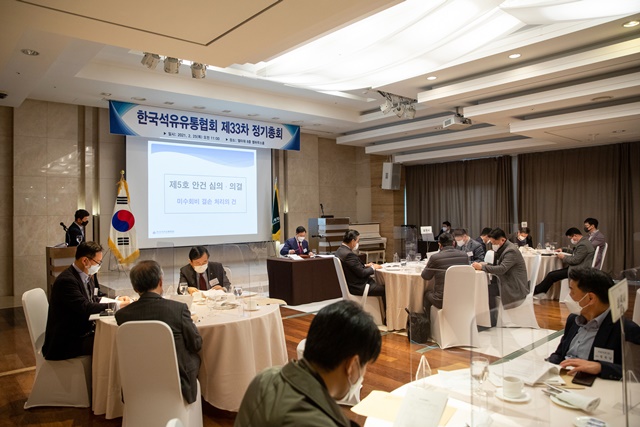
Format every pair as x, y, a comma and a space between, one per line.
227, 271
636, 309
455, 324
175, 423
522, 316
489, 256
151, 384
595, 256
57, 382
372, 305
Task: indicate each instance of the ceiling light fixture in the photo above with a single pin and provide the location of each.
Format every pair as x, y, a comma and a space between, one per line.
431, 78
138, 98
198, 70
30, 52
171, 65
150, 60
401, 106
199, 107
631, 24
514, 56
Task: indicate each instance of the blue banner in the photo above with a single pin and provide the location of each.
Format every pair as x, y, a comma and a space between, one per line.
155, 122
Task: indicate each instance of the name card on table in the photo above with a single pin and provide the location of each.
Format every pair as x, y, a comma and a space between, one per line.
619, 299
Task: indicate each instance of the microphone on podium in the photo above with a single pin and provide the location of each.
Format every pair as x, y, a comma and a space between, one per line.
64, 227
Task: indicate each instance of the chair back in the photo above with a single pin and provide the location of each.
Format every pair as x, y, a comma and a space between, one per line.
604, 254
227, 271
595, 257
36, 309
344, 288
489, 256
535, 267
149, 373
175, 423
459, 291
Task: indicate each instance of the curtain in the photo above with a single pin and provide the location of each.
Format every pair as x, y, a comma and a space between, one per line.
560, 189
470, 194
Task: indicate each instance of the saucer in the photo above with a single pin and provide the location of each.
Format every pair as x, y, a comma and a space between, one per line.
583, 422
524, 397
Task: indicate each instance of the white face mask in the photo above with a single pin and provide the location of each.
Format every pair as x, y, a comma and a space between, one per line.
354, 388
574, 242
301, 239
522, 239
496, 246
355, 248
444, 229
200, 268
93, 269
460, 242
573, 305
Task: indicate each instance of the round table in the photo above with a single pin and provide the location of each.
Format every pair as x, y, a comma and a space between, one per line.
236, 345
547, 263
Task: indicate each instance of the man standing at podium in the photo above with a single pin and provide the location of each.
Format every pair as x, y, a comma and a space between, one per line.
297, 245
75, 233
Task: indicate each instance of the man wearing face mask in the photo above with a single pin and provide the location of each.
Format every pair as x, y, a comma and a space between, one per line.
446, 228
522, 237
342, 341
466, 244
297, 245
75, 233
510, 280
74, 297
201, 274
356, 272
580, 256
592, 342
596, 238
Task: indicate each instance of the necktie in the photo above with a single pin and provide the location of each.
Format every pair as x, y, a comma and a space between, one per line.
203, 283
89, 287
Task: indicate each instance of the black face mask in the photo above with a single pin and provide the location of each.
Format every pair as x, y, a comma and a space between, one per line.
586, 230
85, 223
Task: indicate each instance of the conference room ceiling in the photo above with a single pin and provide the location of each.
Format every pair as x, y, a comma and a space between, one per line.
576, 83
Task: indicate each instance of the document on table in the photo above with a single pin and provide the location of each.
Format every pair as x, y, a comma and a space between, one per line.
421, 407
530, 373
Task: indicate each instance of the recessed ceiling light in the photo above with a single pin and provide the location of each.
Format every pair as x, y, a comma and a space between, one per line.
514, 56
137, 98
199, 107
226, 111
631, 24
252, 115
601, 98
105, 94
431, 78
30, 52
297, 121
275, 118
619, 131
168, 103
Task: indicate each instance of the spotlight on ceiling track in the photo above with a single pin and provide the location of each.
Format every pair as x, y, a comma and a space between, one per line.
198, 70
171, 65
386, 106
409, 112
150, 60
401, 106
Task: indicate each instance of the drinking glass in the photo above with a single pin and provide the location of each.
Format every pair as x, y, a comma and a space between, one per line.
479, 373
403, 263
237, 291
182, 288
418, 257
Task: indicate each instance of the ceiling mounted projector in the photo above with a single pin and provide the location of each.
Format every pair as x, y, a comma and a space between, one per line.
456, 122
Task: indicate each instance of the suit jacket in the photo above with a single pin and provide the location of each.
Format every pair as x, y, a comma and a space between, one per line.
511, 270
355, 272
518, 242
151, 306
475, 248
68, 318
598, 241
289, 396
437, 267
292, 243
581, 255
73, 232
214, 271
608, 336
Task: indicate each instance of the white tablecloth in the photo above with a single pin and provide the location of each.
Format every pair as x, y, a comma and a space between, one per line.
235, 348
406, 288
547, 264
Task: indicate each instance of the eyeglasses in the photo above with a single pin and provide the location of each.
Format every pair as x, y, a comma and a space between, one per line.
94, 260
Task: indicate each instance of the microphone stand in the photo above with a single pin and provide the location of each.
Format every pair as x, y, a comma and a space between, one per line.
66, 234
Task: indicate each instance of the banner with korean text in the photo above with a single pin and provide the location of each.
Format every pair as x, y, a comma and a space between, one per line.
155, 122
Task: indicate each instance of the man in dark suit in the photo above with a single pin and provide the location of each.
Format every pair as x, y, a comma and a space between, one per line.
146, 278
201, 274
297, 245
75, 233
356, 272
580, 256
74, 297
592, 342
522, 237
446, 228
436, 269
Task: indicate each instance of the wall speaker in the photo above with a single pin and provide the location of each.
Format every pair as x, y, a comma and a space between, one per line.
391, 176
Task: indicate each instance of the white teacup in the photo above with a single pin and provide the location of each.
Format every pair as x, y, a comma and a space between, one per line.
512, 387
252, 304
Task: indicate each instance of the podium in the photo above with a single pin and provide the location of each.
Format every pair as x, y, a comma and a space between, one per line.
326, 233
58, 260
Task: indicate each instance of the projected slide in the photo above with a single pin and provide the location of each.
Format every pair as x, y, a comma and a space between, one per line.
199, 190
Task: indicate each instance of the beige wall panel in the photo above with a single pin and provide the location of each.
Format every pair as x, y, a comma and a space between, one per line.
29, 156
30, 119
62, 158
30, 236
29, 195
29, 272
62, 121
62, 196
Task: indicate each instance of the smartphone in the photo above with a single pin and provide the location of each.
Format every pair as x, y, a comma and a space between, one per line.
583, 378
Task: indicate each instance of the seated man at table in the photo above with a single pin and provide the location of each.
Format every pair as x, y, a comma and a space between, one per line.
580, 256
522, 237
201, 274
75, 297
342, 341
483, 239
446, 228
510, 281
357, 273
592, 342
297, 245
466, 244
436, 269
146, 279
596, 238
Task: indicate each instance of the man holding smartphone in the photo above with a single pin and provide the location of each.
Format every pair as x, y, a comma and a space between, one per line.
591, 343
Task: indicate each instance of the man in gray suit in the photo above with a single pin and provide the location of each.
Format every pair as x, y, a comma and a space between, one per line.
146, 278
581, 255
596, 238
437, 267
512, 284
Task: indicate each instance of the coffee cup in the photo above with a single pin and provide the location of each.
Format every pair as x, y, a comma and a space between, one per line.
252, 304
512, 387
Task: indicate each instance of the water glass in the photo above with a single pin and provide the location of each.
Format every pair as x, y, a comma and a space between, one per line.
479, 373
182, 288
403, 263
237, 291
